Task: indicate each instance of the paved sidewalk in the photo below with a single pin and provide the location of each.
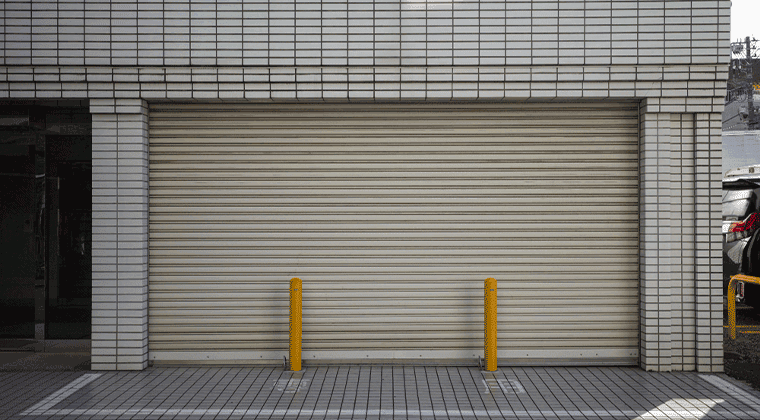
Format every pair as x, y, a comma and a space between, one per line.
375, 392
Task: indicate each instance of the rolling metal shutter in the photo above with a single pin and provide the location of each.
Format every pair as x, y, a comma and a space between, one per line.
393, 216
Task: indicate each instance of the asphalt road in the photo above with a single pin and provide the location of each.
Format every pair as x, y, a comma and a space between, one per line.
742, 356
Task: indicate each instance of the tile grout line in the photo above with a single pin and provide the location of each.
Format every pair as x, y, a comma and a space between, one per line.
449, 383
108, 386
723, 384
24, 379
221, 383
179, 374
472, 400
417, 383
322, 371
302, 396
243, 385
340, 379
635, 393
476, 374
673, 384
511, 402
356, 387
195, 371
562, 385
617, 402
259, 382
283, 380
235, 382
130, 392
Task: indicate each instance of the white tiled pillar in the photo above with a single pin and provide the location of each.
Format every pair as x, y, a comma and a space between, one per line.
655, 240
708, 242
120, 234
674, 320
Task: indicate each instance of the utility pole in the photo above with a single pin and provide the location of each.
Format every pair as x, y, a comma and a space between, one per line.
741, 80
750, 89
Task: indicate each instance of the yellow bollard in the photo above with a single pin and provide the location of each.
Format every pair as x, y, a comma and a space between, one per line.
490, 324
732, 308
295, 323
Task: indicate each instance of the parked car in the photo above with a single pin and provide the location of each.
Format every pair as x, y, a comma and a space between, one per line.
741, 234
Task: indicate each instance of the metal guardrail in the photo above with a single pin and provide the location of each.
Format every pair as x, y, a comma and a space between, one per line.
732, 299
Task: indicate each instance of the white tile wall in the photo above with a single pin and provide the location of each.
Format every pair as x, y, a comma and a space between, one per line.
363, 33
122, 53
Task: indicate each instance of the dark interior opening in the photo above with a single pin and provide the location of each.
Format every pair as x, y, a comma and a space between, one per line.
45, 220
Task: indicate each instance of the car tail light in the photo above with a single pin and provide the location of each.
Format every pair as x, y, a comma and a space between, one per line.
740, 230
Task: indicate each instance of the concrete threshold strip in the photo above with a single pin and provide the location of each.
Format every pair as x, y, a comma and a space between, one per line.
690, 408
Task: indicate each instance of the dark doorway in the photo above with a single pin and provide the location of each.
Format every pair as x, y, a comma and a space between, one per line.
17, 239
69, 245
45, 221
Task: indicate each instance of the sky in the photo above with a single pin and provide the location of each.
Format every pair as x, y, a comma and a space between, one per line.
745, 19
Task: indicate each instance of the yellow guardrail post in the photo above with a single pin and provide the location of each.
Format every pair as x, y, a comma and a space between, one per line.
295, 323
732, 307
732, 300
490, 324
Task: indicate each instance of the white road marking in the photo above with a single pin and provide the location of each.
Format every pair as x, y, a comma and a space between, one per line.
58, 396
724, 385
290, 386
508, 386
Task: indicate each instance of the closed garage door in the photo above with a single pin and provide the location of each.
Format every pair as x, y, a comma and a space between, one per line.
393, 216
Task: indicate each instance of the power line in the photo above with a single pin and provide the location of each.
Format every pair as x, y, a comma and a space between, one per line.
742, 83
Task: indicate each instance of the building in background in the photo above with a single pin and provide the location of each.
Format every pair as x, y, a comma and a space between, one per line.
740, 149
393, 155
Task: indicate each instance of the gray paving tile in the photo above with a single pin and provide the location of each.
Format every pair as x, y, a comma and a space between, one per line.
380, 392
28, 388
601, 387
16, 385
